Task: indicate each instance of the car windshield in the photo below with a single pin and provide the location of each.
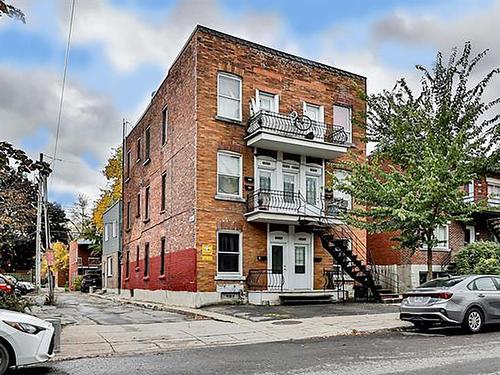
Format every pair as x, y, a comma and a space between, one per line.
442, 283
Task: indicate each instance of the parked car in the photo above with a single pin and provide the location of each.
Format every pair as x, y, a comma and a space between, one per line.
91, 278
5, 286
11, 281
467, 301
26, 286
24, 340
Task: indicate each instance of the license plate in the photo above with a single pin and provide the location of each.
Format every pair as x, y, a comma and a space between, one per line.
419, 300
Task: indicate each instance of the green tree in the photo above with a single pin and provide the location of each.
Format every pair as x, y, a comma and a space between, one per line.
11, 11
482, 257
428, 145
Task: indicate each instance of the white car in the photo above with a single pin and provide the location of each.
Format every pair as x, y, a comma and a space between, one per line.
24, 340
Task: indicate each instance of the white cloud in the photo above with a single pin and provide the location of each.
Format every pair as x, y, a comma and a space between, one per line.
90, 124
129, 39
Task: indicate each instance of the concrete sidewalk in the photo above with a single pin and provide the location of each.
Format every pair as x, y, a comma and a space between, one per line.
100, 340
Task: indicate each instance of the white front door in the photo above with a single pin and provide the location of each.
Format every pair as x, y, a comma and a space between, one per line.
300, 269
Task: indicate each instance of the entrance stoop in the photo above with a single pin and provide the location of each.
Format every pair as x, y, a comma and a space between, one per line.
305, 298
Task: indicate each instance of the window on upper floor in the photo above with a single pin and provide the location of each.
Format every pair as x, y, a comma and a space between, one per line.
164, 125
127, 166
128, 213
138, 213
139, 150
314, 112
469, 191
163, 197
342, 117
146, 204
493, 192
344, 199
229, 171
267, 101
147, 145
115, 229
469, 234
229, 96
106, 231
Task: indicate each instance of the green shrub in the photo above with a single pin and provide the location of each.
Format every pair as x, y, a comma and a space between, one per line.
77, 282
482, 257
14, 303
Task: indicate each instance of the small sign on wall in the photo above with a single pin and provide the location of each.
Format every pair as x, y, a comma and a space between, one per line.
207, 252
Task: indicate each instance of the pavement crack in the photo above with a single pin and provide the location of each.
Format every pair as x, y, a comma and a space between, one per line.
108, 342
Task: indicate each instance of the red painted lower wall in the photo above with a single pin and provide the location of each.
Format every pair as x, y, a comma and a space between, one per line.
180, 272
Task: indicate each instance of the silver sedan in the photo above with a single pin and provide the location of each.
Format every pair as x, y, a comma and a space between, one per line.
467, 301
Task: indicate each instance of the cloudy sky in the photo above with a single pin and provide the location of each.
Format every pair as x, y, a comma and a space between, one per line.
121, 50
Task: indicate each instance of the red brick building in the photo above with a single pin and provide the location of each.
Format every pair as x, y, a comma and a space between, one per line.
412, 268
81, 260
222, 172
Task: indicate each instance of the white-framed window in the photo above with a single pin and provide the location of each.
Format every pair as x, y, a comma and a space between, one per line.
229, 172
469, 191
109, 266
229, 96
342, 117
469, 234
314, 112
344, 198
493, 191
267, 101
106, 231
115, 229
229, 253
441, 235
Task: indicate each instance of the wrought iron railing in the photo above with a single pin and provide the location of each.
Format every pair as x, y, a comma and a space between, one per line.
301, 127
287, 202
265, 279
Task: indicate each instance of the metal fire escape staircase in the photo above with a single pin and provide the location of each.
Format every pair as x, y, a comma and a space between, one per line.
352, 255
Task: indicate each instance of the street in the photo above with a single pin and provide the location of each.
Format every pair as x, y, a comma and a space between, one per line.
441, 352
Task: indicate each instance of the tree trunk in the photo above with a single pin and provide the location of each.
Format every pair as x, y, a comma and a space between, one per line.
429, 263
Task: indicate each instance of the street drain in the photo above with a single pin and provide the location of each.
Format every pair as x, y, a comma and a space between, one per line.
287, 322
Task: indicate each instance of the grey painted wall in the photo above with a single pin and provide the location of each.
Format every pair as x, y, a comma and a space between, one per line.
111, 241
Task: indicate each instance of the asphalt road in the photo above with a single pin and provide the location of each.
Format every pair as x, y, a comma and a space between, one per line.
441, 352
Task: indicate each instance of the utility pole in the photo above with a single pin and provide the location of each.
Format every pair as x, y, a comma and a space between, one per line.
47, 237
38, 256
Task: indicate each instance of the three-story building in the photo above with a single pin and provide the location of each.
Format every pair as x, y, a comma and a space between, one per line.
227, 173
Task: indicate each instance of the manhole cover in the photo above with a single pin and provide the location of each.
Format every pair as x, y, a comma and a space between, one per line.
287, 322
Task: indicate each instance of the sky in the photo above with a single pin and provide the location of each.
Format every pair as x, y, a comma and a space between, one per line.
122, 49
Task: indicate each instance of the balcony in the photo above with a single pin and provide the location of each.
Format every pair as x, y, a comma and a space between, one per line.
296, 134
282, 207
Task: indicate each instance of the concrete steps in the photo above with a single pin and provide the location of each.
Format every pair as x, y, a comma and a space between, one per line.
305, 298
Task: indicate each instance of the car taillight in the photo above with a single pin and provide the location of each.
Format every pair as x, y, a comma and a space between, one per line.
443, 295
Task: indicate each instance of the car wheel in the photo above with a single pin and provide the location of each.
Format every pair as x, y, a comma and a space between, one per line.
423, 327
4, 359
473, 321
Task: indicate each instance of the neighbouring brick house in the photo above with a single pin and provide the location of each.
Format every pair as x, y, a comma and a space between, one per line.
412, 268
223, 174
81, 260
111, 247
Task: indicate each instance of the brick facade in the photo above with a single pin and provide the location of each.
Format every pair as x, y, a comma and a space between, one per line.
194, 215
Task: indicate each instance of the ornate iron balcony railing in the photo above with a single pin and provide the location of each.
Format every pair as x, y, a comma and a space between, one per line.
285, 202
296, 126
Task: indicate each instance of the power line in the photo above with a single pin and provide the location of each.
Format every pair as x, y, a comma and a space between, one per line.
66, 58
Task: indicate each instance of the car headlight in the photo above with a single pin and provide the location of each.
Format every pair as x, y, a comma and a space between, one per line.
25, 327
